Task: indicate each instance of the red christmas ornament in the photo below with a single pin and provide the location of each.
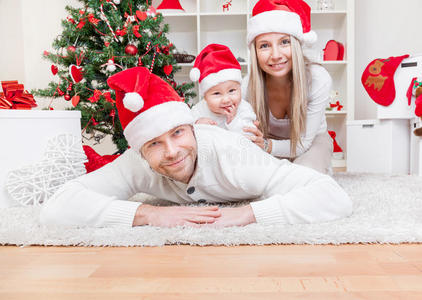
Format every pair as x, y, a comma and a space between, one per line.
106, 44
70, 86
67, 97
54, 69
60, 92
140, 64
71, 49
168, 69
76, 73
131, 50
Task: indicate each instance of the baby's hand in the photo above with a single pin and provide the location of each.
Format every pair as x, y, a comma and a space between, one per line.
230, 113
205, 121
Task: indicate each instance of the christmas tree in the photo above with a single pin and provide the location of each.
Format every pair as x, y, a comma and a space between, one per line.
99, 39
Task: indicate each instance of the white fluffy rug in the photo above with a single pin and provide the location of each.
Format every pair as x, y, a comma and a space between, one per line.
388, 209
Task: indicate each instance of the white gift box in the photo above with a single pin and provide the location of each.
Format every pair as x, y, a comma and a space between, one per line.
24, 135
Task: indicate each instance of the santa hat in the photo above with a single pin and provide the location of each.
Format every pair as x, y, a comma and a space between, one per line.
147, 105
214, 65
291, 17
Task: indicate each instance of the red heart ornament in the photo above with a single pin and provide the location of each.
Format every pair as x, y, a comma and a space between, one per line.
141, 15
75, 100
76, 73
168, 69
54, 69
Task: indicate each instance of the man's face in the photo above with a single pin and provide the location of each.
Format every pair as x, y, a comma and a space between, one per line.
173, 154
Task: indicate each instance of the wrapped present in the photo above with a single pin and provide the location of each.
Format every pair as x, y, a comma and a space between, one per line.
14, 96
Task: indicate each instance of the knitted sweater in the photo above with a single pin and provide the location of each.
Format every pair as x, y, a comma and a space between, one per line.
318, 97
229, 168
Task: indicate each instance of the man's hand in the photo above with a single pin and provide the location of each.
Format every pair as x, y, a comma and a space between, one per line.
175, 215
235, 216
205, 121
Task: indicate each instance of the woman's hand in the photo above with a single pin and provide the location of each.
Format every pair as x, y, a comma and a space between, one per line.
257, 137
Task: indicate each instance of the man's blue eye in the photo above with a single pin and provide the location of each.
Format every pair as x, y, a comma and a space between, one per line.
263, 46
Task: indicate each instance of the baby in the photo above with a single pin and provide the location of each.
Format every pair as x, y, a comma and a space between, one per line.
219, 76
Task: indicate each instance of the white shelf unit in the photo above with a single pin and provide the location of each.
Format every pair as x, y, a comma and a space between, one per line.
204, 22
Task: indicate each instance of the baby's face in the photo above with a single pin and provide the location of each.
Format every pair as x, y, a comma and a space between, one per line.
224, 98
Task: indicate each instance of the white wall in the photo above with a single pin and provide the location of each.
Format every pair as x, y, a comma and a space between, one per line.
383, 29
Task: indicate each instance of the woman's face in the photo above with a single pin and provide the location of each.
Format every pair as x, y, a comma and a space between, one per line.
274, 53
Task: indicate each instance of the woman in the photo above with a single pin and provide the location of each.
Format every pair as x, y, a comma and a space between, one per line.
288, 93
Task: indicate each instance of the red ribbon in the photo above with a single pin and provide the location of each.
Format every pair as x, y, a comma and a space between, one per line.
15, 97
337, 104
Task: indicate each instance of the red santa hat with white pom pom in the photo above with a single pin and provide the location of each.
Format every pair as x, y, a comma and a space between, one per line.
147, 105
291, 17
214, 65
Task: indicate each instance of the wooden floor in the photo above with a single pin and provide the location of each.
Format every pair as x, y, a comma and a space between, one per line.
184, 272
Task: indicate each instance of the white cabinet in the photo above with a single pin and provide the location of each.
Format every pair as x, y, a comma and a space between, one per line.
205, 22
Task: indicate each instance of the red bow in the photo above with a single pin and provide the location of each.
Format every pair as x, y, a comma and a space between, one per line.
15, 97
337, 104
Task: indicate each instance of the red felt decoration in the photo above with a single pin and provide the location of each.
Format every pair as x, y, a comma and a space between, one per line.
54, 69
96, 161
75, 100
135, 31
168, 69
76, 73
378, 79
141, 15
337, 148
131, 50
333, 50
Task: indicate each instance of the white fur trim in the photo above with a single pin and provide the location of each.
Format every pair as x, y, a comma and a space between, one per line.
275, 21
219, 77
310, 38
133, 102
194, 74
155, 121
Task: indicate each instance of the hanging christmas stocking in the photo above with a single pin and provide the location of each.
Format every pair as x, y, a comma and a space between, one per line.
378, 79
337, 152
170, 4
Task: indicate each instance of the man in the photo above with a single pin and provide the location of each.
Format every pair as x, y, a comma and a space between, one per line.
189, 164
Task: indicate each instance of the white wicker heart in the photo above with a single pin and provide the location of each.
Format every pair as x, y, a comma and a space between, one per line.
63, 160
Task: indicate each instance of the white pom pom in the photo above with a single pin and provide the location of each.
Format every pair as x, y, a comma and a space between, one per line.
194, 74
310, 37
133, 102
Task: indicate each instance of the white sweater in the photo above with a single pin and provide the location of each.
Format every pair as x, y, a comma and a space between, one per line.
230, 168
318, 98
245, 116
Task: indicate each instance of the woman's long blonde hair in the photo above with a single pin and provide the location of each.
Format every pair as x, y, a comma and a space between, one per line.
299, 98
